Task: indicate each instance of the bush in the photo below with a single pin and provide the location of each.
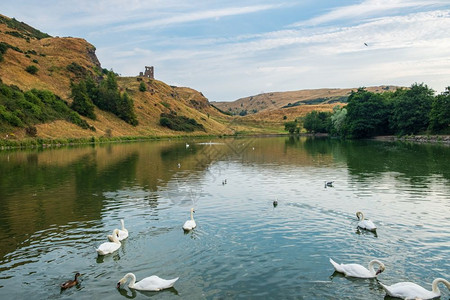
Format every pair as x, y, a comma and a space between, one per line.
76, 69
25, 109
179, 123
31, 131
290, 126
142, 87
32, 69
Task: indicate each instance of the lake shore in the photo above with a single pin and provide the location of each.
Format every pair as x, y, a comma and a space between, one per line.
435, 139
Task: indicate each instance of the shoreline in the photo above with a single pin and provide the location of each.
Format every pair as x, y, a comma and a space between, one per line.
420, 139
33, 143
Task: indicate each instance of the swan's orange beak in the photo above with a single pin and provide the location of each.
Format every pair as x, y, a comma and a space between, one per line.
118, 285
378, 272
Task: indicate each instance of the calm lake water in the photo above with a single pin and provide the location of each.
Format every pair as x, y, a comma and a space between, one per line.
58, 205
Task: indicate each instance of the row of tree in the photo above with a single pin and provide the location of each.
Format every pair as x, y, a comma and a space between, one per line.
105, 95
405, 111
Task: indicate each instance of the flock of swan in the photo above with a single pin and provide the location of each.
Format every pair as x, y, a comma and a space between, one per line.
402, 290
152, 283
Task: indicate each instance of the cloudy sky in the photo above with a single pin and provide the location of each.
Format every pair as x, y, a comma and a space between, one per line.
232, 49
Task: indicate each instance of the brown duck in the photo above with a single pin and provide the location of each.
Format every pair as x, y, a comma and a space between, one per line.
70, 283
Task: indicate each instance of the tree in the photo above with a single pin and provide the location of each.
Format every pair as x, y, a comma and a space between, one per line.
81, 101
125, 110
316, 121
367, 114
290, 126
440, 112
411, 109
338, 119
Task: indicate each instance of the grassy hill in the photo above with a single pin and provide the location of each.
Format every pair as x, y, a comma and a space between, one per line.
283, 100
58, 61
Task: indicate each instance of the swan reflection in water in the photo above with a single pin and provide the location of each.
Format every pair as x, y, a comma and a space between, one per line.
133, 293
366, 232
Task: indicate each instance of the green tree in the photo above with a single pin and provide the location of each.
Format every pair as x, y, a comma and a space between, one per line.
125, 110
440, 112
290, 126
316, 121
367, 114
338, 119
81, 101
411, 109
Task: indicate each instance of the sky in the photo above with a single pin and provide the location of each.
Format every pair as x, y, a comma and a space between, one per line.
233, 49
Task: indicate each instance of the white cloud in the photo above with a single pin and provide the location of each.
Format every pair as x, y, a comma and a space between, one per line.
192, 16
407, 42
367, 8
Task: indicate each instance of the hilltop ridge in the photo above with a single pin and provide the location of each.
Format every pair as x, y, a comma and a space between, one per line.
282, 100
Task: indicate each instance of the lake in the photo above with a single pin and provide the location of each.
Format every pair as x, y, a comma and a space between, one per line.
58, 205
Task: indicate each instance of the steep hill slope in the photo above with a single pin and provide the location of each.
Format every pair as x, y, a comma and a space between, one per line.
58, 61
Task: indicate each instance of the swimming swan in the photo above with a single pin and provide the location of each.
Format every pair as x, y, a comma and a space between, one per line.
409, 290
365, 224
356, 270
190, 224
123, 233
70, 283
110, 247
152, 283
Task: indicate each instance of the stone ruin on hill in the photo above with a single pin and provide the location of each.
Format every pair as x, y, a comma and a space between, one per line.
149, 73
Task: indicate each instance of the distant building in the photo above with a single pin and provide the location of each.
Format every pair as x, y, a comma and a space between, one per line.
149, 72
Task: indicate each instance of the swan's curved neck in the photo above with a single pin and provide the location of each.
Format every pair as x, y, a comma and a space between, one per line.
114, 236
434, 285
133, 279
192, 215
123, 224
371, 263
360, 215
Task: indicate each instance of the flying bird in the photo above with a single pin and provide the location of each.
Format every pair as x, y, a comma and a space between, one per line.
366, 44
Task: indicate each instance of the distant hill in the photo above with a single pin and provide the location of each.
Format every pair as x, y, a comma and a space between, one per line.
282, 100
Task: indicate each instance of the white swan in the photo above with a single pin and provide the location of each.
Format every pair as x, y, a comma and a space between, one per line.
110, 247
409, 290
190, 224
123, 233
356, 270
365, 224
152, 283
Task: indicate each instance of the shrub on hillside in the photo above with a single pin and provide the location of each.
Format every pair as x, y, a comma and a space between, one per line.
142, 87
20, 109
76, 69
179, 123
31, 131
32, 69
